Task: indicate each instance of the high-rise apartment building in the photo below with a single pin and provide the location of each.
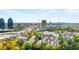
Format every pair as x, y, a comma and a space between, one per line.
43, 25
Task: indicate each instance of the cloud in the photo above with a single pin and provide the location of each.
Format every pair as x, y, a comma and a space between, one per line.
46, 13
37, 15
72, 10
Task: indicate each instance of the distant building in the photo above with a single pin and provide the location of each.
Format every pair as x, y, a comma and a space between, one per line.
43, 25
6, 27
10, 23
2, 23
50, 23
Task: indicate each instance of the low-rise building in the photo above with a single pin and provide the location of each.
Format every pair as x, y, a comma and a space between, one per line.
23, 38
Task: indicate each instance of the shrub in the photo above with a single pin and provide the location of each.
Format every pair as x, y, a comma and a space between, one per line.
20, 42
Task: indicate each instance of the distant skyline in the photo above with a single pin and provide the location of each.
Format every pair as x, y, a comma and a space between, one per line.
37, 15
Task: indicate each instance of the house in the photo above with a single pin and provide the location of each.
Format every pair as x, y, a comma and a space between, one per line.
68, 35
50, 33
23, 38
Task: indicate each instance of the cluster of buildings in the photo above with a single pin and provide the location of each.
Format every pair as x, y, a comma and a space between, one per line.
15, 35
43, 25
52, 36
48, 36
5, 27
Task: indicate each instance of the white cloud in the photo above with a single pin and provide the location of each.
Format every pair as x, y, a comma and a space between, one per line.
39, 15
72, 10
45, 14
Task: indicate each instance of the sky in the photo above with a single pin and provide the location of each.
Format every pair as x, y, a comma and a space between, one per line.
37, 15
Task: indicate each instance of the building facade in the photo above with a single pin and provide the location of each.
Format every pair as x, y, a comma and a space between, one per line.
43, 25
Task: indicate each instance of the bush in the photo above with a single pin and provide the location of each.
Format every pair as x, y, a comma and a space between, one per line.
58, 47
28, 45
20, 42
36, 46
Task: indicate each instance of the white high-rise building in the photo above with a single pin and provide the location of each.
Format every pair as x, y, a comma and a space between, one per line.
43, 25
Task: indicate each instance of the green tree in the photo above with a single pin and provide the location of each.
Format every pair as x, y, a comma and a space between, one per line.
61, 40
20, 42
